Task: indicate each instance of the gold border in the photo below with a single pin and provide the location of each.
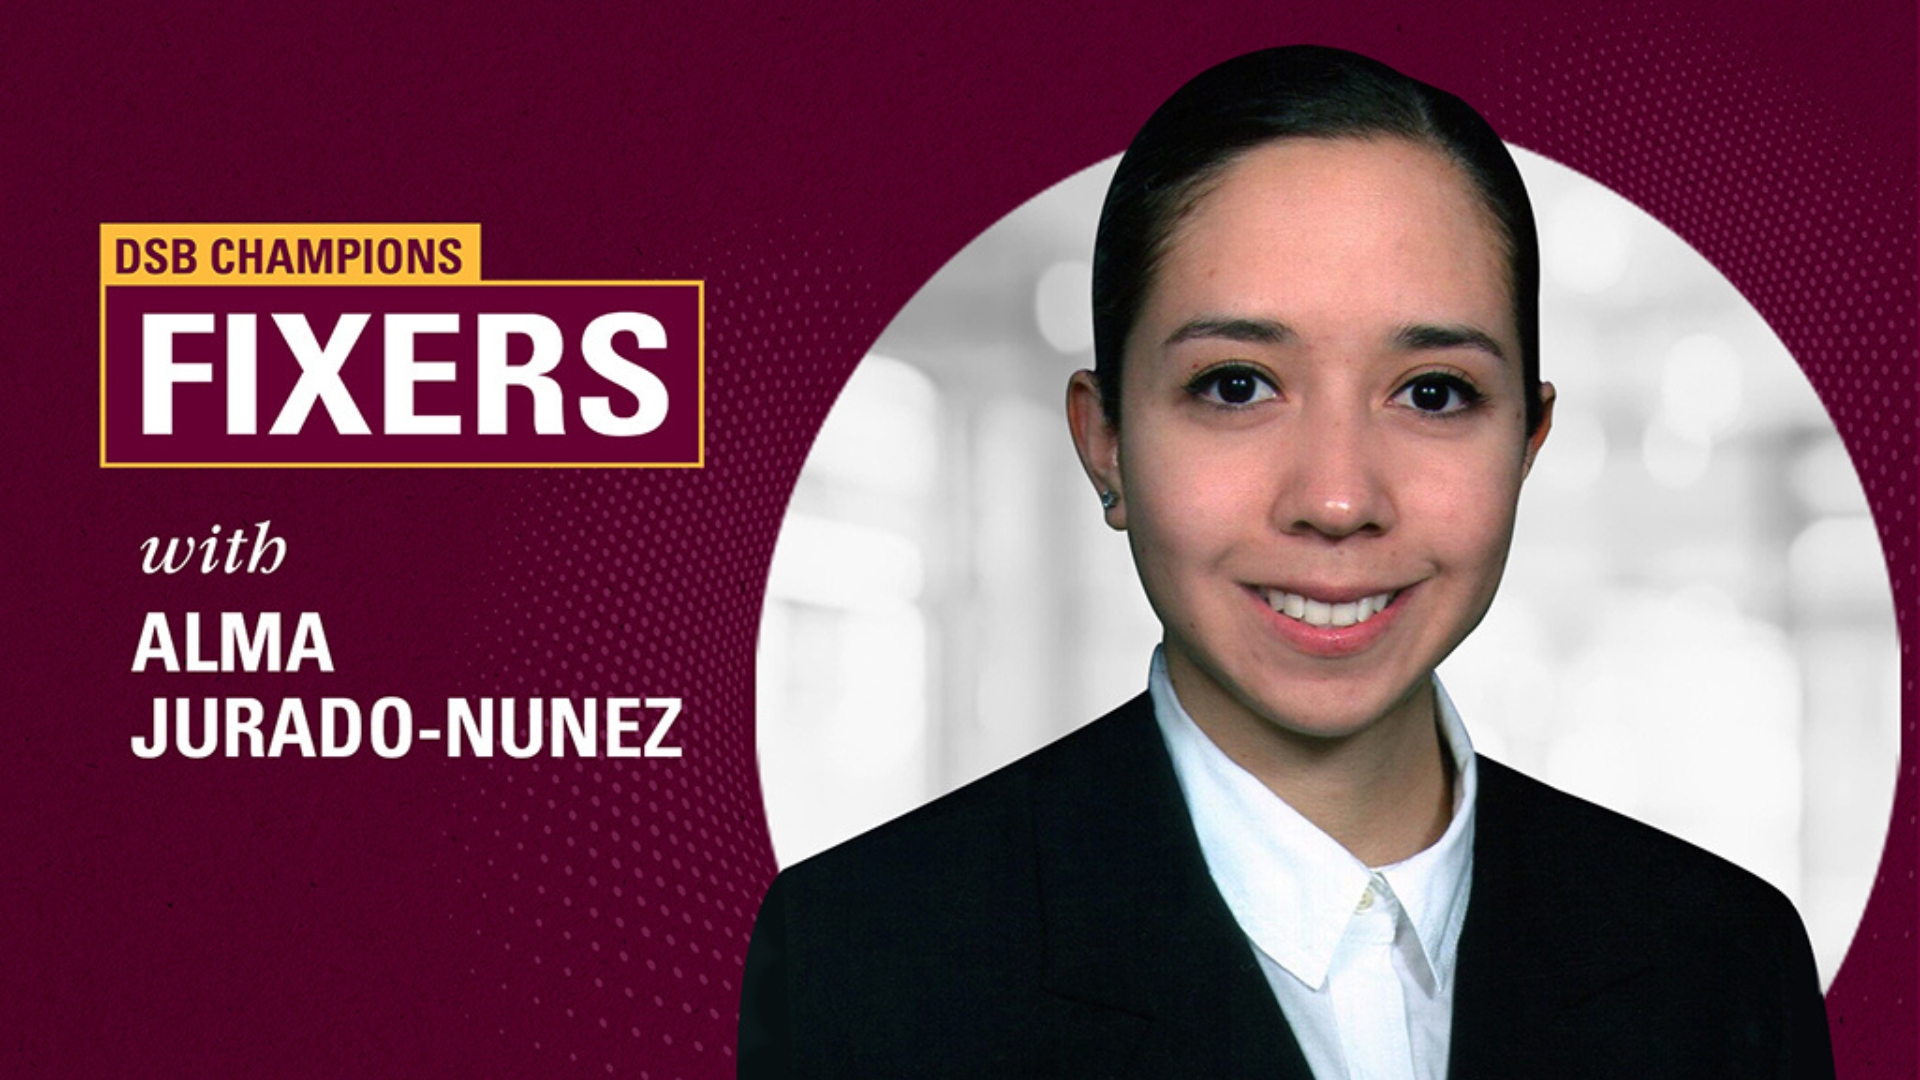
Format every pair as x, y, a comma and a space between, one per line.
699, 462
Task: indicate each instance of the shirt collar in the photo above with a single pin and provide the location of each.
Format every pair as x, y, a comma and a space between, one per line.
1291, 887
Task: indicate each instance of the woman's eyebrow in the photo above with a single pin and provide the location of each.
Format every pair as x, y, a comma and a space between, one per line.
1425, 336
1247, 331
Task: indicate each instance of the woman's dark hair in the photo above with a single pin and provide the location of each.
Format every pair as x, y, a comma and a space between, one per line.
1301, 91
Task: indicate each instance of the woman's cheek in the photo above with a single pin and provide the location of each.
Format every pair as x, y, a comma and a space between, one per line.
1479, 530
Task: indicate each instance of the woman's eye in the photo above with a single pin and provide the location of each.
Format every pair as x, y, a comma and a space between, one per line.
1232, 386
1438, 394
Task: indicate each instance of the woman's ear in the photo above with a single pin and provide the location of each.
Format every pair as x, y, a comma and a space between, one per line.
1097, 442
1539, 433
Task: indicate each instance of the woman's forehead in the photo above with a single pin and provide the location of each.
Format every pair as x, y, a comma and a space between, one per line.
1337, 229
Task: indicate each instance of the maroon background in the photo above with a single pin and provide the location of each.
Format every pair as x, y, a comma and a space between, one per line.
814, 164
199, 409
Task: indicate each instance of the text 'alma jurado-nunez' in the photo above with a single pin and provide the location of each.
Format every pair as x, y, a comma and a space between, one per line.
189, 646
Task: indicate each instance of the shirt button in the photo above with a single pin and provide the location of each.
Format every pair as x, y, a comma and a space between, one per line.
1366, 899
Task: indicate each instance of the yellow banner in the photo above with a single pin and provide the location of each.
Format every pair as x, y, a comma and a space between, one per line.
287, 254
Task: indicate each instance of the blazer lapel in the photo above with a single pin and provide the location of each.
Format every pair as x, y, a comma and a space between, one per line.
1536, 945
1152, 975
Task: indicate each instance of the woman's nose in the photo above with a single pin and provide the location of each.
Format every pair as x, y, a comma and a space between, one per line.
1333, 478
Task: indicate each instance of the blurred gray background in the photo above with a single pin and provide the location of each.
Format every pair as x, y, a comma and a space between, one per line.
1695, 628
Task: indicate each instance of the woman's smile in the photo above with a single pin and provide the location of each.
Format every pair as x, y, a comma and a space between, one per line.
1331, 627
1313, 611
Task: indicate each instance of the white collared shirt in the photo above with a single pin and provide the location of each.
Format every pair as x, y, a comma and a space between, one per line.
1361, 959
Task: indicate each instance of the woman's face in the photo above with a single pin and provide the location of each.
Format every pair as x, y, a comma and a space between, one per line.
1322, 434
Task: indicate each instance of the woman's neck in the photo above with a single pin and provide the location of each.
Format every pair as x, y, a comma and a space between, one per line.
1385, 792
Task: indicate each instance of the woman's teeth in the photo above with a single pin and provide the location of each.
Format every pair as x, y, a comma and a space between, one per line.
1320, 613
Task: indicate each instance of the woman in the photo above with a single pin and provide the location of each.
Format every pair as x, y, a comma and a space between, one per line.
1316, 397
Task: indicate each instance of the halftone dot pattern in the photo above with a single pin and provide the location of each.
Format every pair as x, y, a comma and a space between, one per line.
1674, 115
616, 897
589, 917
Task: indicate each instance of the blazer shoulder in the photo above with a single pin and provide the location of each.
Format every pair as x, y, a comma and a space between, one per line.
1617, 863
899, 948
986, 819
1587, 917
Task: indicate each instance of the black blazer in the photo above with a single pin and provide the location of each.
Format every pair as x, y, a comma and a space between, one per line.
1056, 919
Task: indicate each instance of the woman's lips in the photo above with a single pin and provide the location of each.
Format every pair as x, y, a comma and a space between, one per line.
1335, 624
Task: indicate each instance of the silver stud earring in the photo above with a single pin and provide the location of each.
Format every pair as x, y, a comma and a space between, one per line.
1108, 500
